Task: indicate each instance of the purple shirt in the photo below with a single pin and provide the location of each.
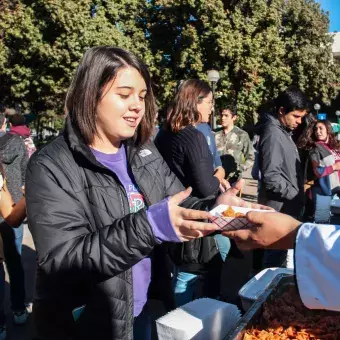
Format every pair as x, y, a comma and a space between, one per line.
158, 216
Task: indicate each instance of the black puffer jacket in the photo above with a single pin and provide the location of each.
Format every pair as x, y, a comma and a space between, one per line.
86, 239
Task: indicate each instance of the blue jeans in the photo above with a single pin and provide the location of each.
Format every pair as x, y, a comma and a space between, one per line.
223, 244
185, 283
12, 241
142, 325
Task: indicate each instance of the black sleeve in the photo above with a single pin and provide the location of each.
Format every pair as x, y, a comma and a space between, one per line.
64, 237
173, 186
200, 168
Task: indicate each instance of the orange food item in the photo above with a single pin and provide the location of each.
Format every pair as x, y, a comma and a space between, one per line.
240, 215
230, 212
287, 318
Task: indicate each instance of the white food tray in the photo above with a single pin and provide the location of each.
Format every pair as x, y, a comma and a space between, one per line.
232, 223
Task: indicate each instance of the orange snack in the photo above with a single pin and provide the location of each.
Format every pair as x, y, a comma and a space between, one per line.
230, 212
240, 215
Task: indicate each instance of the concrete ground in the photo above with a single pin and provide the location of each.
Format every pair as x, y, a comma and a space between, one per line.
27, 332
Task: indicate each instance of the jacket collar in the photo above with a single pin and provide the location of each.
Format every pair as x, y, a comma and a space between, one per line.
79, 147
274, 120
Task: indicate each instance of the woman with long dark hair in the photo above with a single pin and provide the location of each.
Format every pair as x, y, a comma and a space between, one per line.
324, 159
100, 198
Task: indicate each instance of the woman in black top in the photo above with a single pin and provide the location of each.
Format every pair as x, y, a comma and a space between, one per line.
185, 148
187, 153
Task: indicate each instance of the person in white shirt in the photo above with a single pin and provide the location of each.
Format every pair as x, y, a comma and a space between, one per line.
317, 253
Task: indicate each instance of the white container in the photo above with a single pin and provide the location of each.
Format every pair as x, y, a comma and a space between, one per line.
201, 319
232, 223
251, 291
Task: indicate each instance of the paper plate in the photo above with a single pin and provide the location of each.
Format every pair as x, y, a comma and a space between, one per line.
232, 223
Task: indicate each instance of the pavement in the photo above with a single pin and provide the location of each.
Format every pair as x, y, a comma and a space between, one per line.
27, 331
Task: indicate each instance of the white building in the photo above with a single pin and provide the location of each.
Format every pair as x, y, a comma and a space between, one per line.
336, 45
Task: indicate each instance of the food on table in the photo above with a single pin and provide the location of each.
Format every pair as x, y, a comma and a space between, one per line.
230, 212
287, 318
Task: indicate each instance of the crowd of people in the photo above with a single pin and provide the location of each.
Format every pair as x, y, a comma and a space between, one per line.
119, 211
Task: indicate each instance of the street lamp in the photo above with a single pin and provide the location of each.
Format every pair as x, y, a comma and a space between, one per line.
317, 107
213, 77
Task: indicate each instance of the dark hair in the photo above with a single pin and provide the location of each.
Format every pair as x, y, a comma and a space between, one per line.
183, 109
2, 109
309, 140
97, 68
2, 119
232, 109
290, 100
303, 133
17, 119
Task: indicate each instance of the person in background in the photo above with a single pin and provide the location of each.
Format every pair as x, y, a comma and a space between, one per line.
183, 146
205, 128
281, 174
14, 160
18, 127
302, 137
324, 159
14, 215
100, 199
234, 146
317, 249
186, 151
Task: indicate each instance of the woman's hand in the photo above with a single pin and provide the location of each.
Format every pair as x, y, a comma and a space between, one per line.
219, 173
184, 220
224, 185
230, 197
271, 230
12, 213
336, 166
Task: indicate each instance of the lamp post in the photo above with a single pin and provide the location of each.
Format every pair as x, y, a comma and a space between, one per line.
213, 77
317, 107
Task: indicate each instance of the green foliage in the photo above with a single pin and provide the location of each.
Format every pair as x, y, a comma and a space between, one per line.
42, 42
258, 46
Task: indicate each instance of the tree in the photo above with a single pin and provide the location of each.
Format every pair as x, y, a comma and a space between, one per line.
42, 41
259, 46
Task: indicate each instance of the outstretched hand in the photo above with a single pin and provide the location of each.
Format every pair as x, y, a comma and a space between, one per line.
230, 197
271, 230
185, 221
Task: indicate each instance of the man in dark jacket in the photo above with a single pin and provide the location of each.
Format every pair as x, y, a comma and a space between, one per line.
281, 185
14, 159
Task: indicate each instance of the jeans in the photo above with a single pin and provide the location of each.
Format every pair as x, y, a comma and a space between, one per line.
142, 325
185, 283
12, 241
223, 244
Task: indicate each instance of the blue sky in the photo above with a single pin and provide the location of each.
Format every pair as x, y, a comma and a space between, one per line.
333, 7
